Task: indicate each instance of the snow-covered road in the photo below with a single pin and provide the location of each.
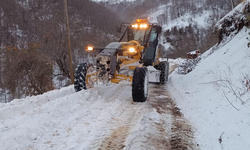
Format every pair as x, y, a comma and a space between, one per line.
104, 117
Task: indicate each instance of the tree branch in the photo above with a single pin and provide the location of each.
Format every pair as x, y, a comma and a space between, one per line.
229, 101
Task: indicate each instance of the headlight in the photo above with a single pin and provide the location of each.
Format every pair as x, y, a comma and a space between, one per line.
132, 50
89, 48
135, 25
143, 26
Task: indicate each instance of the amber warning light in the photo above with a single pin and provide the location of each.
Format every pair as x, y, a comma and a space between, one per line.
141, 20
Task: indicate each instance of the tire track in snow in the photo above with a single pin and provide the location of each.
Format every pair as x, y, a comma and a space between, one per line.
158, 101
125, 114
110, 107
182, 136
179, 134
171, 130
116, 140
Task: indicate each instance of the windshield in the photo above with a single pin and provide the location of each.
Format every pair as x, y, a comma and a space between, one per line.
138, 35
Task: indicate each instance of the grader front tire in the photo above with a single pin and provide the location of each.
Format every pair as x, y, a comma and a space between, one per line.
140, 84
81, 78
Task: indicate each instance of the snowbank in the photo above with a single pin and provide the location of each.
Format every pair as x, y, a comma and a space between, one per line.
215, 96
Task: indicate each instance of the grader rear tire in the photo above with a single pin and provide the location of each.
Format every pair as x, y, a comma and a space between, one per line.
140, 84
164, 68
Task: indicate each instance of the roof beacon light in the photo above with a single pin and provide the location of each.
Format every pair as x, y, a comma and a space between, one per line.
141, 20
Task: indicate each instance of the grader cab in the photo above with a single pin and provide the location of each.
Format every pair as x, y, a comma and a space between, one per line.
127, 60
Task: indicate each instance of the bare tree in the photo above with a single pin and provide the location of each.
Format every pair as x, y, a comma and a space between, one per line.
27, 71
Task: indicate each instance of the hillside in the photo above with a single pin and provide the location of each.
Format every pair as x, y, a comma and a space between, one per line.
187, 25
215, 96
34, 46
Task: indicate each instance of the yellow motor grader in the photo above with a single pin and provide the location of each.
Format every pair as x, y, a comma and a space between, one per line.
127, 60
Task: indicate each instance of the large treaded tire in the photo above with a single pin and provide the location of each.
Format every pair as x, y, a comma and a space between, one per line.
80, 77
164, 68
140, 84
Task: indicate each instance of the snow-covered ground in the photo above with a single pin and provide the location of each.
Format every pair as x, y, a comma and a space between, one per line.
202, 20
100, 118
215, 96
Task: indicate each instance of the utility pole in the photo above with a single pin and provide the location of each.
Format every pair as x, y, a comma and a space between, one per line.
69, 45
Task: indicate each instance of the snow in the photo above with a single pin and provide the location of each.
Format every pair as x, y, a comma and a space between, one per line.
239, 9
205, 94
16, 31
202, 20
154, 74
63, 119
214, 98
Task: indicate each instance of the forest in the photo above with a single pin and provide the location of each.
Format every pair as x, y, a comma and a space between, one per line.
181, 39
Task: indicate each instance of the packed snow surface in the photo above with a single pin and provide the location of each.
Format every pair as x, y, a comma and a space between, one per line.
103, 117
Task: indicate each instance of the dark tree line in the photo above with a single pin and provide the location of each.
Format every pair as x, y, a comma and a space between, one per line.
33, 41
193, 37
189, 38
233, 23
